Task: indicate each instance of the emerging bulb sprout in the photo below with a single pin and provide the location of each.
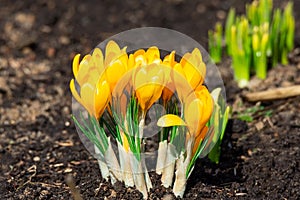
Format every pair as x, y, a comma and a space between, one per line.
254, 39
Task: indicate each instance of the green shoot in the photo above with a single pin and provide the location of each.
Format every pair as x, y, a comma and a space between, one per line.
219, 121
241, 51
229, 23
91, 130
275, 35
251, 113
133, 135
260, 40
287, 33
215, 43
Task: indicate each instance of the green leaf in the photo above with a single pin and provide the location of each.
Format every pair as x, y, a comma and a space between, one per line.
229, 23
219, 121
288, 15
90, 133
215, 43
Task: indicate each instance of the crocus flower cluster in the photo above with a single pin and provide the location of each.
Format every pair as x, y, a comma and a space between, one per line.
119, 89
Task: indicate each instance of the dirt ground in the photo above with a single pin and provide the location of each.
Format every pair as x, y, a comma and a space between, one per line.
39, 146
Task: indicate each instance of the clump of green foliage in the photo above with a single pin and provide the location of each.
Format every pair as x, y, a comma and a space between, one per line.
261, 37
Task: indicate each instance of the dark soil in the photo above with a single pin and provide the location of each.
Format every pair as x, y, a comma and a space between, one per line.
39, 146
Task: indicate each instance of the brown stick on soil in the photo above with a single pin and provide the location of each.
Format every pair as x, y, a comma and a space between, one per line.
273, 94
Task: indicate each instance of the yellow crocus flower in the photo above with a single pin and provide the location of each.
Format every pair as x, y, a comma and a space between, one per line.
149, 75
197, 110
169, 89
204, 105
94, 89
142, 58
149, 83
85, 98
152, 55
89, 69
115, 63
193, 67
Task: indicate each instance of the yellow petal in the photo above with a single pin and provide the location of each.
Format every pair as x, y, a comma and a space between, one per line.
86, 96
87, 93
170, 120
148, 84
148, 94
197, 55
168, 92
140, 60
194, 68
169, 88
198, 110
108, 58
90, 68
123, 57
170, 59
125, 142
197, 78
75, 65
83, 70
183, 88
113, 53
199, 139
152, 55
131, 62
112, 48
193, 76
178, 68
98, 60
114, 73
150, 74
192, 115
139, 52
185, 58
74, 92
203, 94
102, 96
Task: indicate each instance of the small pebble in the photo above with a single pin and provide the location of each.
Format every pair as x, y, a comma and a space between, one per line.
67, 123
64, 40
36, 159
221, 14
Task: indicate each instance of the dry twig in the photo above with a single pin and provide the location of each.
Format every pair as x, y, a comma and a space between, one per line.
273, 94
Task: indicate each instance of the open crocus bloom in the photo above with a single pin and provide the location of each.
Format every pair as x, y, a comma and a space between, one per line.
127, 86
115, 63
94, 89
149, 83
